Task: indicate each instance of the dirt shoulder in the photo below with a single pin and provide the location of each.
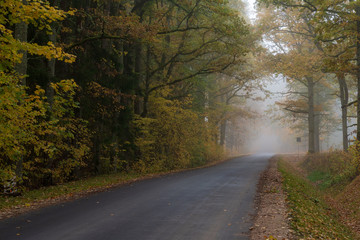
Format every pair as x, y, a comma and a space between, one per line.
271, 218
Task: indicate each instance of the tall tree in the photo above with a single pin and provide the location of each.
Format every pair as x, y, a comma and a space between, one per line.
297, 58
334, 32
25, 115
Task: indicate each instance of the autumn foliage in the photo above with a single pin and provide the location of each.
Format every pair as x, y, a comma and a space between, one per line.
139, 76
168, 141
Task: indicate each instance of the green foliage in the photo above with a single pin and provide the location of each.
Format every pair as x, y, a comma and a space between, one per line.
173, 138
49, 141
311, 217
322, 179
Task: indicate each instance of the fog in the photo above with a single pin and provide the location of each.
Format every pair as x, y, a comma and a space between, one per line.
270, 136
267, 135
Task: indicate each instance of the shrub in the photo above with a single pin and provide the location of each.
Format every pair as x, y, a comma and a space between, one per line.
173, 137
39, 144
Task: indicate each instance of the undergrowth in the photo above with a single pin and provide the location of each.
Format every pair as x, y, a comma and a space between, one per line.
311, 217
337, 175
322, 178
331, 171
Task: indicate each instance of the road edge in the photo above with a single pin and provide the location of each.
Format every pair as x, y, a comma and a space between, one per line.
38, 204
271, 220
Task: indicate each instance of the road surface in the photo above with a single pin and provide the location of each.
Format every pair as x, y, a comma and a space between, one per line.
208, 203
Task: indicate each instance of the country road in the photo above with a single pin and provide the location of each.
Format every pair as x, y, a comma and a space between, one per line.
208, 203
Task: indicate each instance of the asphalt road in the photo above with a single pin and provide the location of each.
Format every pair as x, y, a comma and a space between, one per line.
209, 203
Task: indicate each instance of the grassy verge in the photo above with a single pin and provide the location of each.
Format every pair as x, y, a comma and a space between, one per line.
311, 217
330, 171
336, 175
79, 188
66, 190
322, 178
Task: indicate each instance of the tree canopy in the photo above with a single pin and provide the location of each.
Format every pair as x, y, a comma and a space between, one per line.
105, 86
92, 87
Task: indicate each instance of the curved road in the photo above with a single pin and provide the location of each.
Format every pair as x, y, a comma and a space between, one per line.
208, 203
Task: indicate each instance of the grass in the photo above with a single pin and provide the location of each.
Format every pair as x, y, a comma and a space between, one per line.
331, 171
321, 178
335, 174
311, 216
66, 190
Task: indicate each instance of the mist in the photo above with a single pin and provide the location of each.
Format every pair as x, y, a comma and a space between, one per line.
265, 133
268, 135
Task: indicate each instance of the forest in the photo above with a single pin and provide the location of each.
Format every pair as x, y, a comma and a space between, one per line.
92, 87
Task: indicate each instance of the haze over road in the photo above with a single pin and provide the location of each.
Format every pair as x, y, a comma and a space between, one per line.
209, 203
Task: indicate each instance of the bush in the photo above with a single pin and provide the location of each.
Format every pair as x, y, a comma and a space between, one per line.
40, 144
173, 137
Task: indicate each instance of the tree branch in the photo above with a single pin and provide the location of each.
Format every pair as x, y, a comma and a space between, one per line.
89, 39
349, 104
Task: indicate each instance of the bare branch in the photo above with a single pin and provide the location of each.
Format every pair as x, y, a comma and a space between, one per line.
349, 104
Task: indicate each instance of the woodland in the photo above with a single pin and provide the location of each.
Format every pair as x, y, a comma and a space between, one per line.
91, 87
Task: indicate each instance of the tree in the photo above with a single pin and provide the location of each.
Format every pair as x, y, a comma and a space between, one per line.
336, 28
136, 63
31, 132
299, 60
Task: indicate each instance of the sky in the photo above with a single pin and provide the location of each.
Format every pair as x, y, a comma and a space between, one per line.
251, 9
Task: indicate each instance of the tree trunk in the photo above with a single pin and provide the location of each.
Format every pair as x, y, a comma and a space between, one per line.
144, 112
222, 133
51, 72
138, 60
121, 57
147, 84
357, 11
344, 99
316, 132
50, 91
316, 123
311, 115
128, 59
20, 33
223, 123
